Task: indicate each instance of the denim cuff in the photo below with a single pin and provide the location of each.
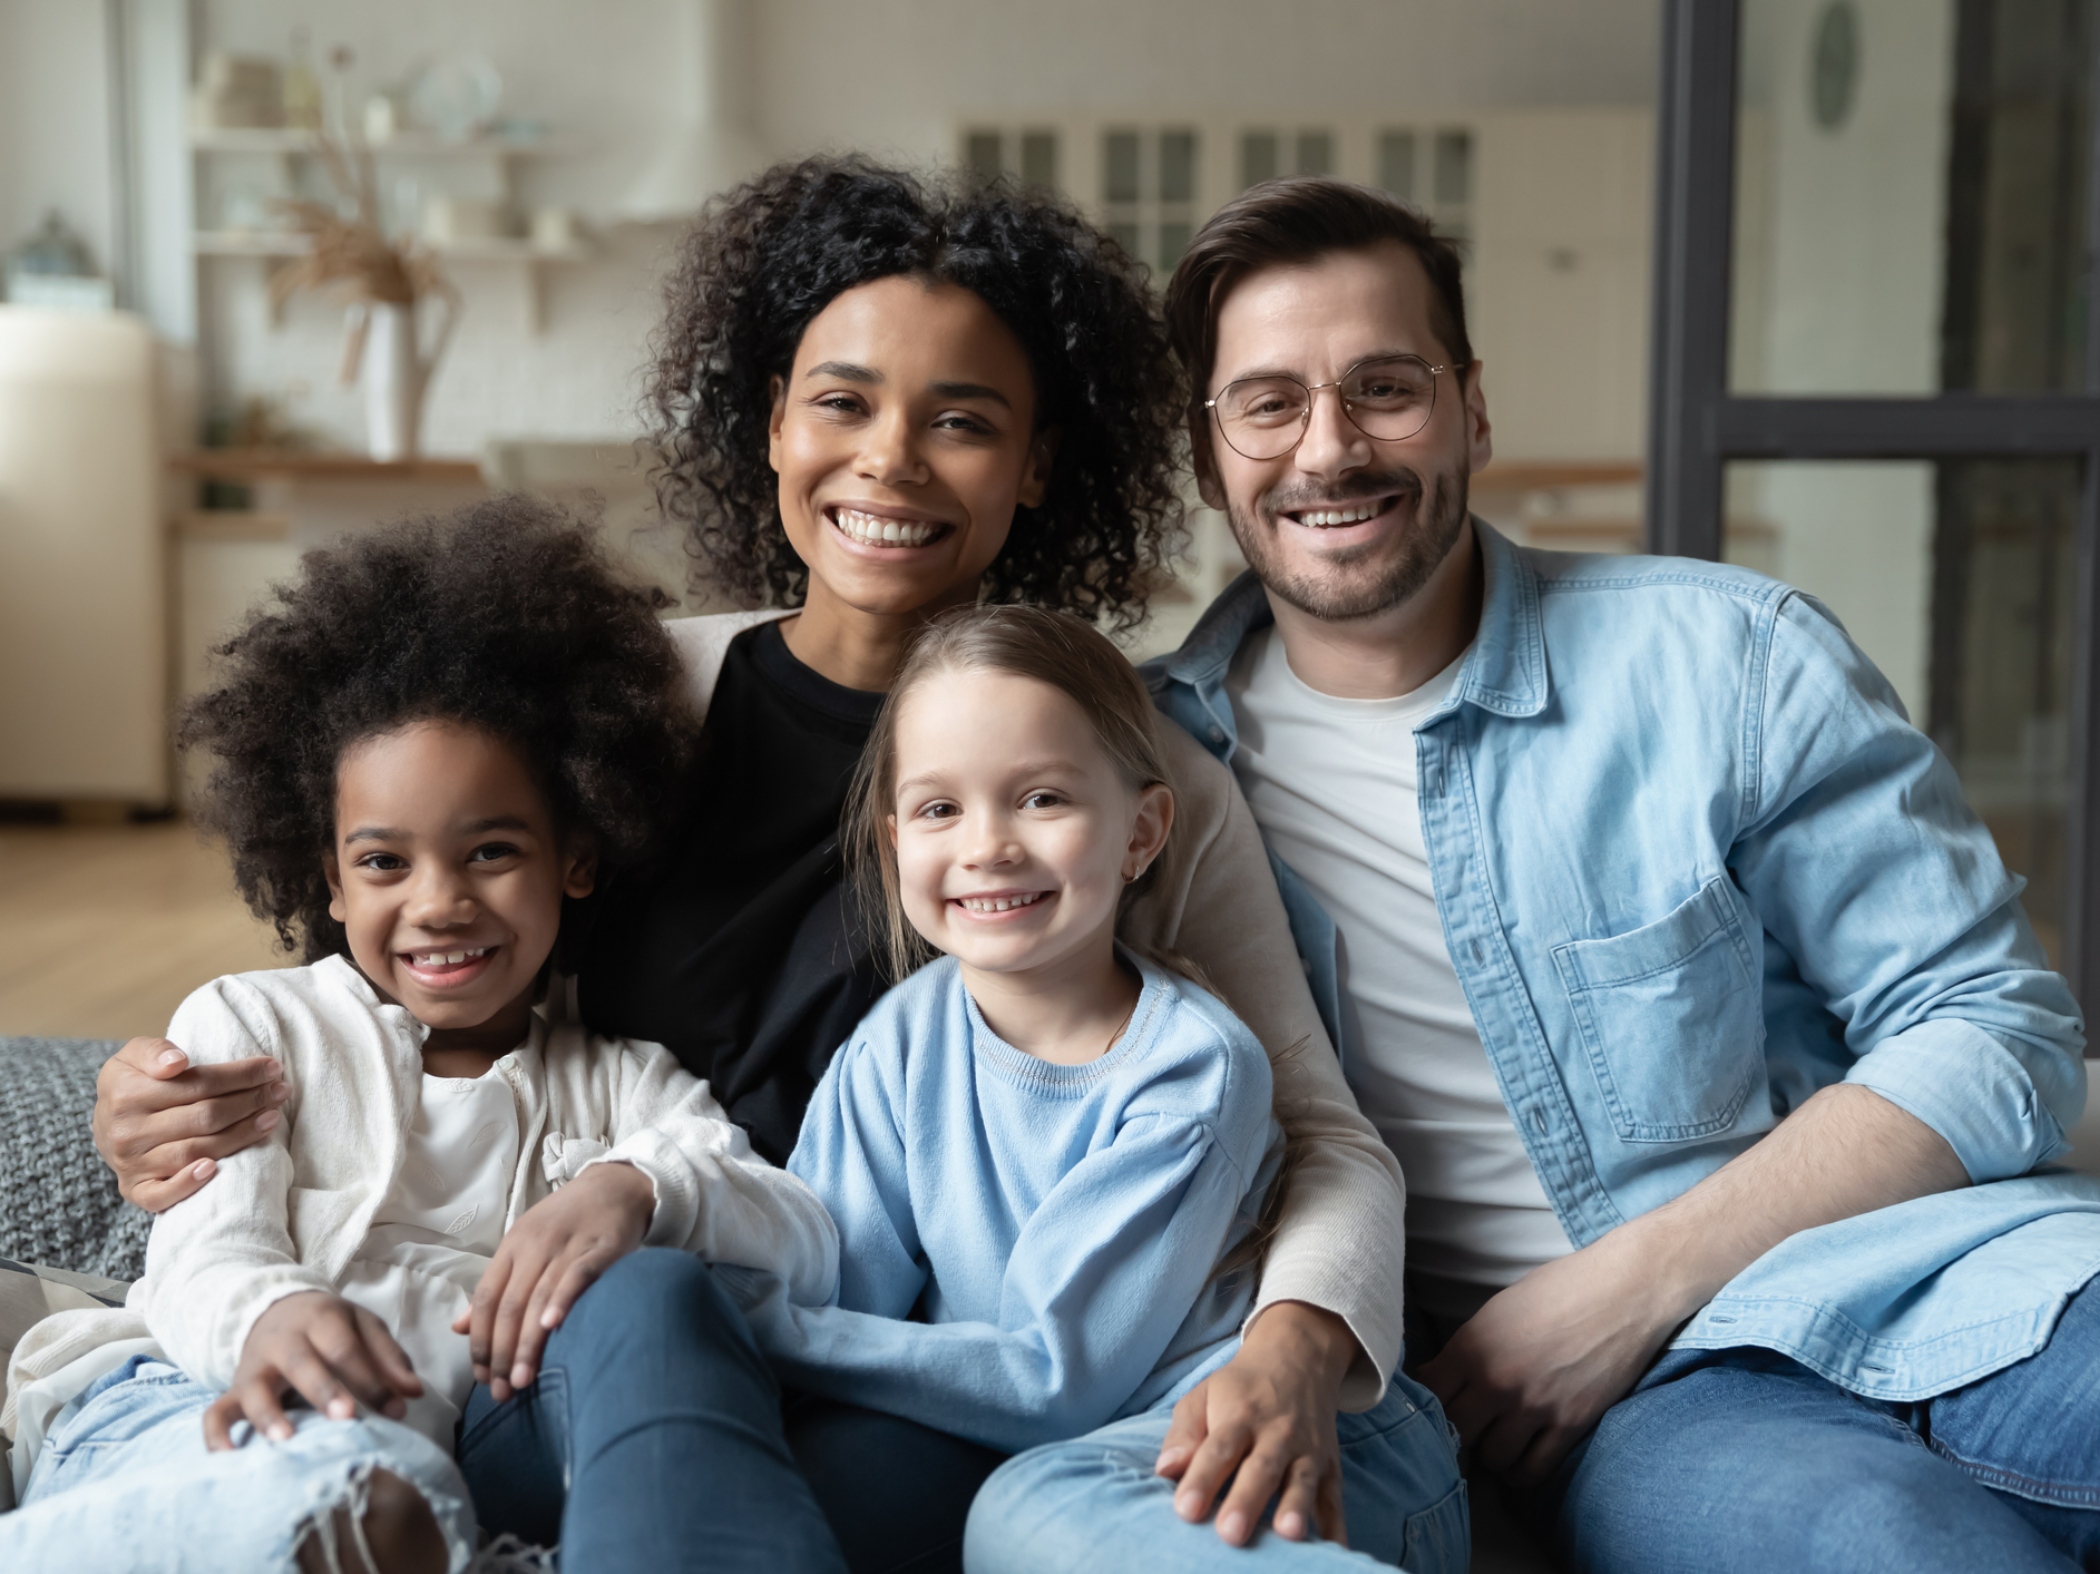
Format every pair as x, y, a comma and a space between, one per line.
1971, 1089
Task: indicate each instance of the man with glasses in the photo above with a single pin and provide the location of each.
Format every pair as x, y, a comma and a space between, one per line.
1698, 1007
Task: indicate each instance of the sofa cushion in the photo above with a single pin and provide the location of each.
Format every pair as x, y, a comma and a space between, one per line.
58, 1202
29, 1294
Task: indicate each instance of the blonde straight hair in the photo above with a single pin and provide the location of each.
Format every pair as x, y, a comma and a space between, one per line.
1028, 642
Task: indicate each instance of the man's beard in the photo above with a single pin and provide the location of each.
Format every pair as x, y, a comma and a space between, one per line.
1354, 584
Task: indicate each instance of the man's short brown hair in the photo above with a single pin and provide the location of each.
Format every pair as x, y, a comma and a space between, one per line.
1281, 222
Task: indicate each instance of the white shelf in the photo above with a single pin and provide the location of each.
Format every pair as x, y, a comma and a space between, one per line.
506, 249
277, 249
272, 139
499, 155
246, 243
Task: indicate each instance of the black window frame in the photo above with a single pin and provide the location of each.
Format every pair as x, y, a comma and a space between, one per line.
1697, 426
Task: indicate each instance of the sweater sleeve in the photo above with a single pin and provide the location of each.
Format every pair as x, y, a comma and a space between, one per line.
218, 1260
1100, 1279
1339, 1243
714, 1196
852, 1154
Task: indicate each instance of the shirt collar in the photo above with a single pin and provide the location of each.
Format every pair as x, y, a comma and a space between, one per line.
1506, 672
1242, 607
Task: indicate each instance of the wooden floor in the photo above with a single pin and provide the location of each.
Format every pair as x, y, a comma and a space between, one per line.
104, 929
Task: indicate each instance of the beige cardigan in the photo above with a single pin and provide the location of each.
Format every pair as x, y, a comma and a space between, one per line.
1341, 1240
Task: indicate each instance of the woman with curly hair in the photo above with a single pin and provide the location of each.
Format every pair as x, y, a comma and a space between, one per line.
877, 398
433, 744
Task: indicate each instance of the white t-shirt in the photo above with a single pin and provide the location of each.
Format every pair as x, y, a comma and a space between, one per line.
1332, 785
434, 1233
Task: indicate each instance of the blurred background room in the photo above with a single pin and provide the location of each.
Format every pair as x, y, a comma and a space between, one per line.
1801, 284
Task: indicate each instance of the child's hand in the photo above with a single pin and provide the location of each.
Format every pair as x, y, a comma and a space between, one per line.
549, 1258
336, 1355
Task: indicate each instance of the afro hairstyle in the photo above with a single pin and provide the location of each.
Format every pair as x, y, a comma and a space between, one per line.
770, 255
505, 616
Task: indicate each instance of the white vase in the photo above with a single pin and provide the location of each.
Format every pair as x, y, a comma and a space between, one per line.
394, 375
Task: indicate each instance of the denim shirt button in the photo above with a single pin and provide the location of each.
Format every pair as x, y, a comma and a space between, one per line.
1217, 734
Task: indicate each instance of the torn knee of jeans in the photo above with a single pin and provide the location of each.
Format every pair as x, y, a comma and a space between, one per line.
319, 1536
336, 1536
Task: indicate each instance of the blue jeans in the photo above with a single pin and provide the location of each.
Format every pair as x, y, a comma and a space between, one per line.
125, 1482
1095, 1503
897, 1494
651, 1439
1744, 1460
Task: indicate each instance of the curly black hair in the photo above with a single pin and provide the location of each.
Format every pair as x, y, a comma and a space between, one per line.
770, 255
505, 616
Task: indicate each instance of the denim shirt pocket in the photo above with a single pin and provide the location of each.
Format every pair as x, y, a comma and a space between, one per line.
1671, 1017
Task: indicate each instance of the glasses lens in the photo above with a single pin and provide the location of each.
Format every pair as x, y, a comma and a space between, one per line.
1262, 417
1390, 399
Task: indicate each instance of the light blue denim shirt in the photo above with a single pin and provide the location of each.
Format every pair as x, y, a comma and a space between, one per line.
1693, 863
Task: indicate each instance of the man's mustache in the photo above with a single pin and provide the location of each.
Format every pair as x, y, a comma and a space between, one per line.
1403, 481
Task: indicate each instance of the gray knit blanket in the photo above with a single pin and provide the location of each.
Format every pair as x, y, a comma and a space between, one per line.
58, 1202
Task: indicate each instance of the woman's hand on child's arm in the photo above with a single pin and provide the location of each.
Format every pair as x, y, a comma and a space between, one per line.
549, 1258
162, 1124
335, 1355
1265, 1423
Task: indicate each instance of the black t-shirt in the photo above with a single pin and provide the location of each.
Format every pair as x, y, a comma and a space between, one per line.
738, 950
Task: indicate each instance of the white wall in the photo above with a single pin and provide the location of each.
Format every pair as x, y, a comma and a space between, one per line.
54, 120
1558, 289
898, 76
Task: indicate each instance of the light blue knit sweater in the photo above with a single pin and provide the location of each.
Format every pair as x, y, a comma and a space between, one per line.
1027, 1249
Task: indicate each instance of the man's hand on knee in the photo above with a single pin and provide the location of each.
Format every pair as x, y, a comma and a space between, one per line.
1265, 1423
1536, 1368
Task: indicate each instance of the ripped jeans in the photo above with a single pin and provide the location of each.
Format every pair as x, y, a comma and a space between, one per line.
125, 1482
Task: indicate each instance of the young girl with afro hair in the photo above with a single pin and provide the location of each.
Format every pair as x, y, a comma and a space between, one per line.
432, 1287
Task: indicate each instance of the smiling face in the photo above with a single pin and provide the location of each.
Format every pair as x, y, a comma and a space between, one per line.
1345, 525
904, 437
448, 874
1015, 833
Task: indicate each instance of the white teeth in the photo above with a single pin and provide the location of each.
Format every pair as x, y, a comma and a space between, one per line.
451, 958
1324, 517
999, 904
883, 532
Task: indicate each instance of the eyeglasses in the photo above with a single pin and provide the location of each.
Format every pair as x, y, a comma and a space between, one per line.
1388, 397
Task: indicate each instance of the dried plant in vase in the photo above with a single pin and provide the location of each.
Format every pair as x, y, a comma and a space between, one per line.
385, 280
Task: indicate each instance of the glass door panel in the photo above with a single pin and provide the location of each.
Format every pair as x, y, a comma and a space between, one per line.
1909, 196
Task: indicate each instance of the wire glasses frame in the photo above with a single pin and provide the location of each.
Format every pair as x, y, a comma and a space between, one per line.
1387, 397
